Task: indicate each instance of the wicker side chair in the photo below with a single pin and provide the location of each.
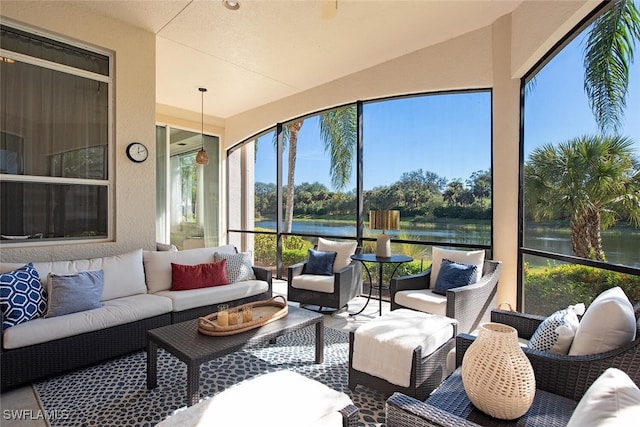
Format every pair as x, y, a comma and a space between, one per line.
567, 376
347, 284
469, 305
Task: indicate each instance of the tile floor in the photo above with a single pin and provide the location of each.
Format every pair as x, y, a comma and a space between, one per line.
20, 408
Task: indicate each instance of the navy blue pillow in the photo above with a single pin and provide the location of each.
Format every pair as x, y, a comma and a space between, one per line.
22, 296
453, 275
320, 263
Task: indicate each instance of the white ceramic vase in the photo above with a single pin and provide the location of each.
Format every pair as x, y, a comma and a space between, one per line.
497, 375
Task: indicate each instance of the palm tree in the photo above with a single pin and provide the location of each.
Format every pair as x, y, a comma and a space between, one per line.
339, 138
586, 180
608, 55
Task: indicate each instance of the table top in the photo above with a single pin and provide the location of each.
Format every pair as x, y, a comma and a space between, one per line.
393, 259
547, 409
185, 342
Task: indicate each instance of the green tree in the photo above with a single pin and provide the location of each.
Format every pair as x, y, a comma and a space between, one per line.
339, 138
608, 55
590, 181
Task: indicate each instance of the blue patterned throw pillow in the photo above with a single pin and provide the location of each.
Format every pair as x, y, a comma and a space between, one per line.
22, 296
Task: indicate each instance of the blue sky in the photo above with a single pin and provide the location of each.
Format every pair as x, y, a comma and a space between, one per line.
450, 134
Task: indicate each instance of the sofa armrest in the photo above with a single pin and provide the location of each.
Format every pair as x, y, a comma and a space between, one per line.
525, 324
404, 411
264, 274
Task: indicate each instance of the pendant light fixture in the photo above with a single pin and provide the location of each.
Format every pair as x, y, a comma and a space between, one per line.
202, 158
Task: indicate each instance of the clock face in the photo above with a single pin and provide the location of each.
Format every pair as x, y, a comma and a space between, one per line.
137, 152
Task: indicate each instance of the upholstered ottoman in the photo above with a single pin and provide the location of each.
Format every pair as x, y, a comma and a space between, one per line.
404, 351
282, 398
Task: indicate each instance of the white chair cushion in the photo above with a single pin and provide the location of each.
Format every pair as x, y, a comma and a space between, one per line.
423, 300
344, 250
612, 400
282, 398
608, 323
313, 282
463, 257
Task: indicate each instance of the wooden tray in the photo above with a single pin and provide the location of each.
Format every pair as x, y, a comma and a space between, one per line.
263, 312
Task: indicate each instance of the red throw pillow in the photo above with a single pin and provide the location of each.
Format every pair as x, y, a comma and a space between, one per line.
185, 277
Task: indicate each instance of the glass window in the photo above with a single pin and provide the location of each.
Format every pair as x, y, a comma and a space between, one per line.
54, 139
430, 158
580, 185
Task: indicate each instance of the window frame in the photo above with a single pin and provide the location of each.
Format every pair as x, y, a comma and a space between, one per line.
109, 80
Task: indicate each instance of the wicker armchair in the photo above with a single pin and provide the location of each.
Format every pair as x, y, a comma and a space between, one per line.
347, 284
469, 305
561, 382
567, 376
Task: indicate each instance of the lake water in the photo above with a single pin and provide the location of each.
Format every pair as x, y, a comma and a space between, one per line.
621, 246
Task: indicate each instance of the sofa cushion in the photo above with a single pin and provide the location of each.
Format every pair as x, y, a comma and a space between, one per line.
123, 274
555, 334
157, 265
464, 257
320, 262
343, 251
453, 275
423, 300
22, 296
70, 293
314, 282
608, 323
113, 313
184, 277
612, 400
239, 266
185, 300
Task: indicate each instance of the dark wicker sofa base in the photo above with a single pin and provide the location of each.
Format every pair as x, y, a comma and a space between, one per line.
26, 364
426, 373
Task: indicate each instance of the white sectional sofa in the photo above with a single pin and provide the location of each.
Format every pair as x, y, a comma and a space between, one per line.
136, 297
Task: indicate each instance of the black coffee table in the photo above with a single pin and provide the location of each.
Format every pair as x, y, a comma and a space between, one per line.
187, 344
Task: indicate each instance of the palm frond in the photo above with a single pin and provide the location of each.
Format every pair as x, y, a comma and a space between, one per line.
608, 55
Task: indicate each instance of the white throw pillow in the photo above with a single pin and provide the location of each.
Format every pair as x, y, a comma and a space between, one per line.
344, 250
608, 323
462, 257
555, 334
239, 266
612, 400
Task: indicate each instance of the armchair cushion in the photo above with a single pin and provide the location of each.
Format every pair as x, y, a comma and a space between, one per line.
464, 257
314, 282
422, 300
612, 400
608, 323
343, 251
453, 275
320, 262
555, 334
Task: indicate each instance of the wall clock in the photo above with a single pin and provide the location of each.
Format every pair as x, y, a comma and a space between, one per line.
137, 152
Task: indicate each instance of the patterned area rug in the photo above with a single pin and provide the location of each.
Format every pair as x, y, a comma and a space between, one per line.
115, 393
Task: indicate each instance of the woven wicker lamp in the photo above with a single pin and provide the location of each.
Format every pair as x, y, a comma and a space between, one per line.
384, 220
496, 374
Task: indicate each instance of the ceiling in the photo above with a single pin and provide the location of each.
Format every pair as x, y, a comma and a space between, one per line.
271, 49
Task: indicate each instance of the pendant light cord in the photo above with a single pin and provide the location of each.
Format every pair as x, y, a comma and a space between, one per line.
202, 91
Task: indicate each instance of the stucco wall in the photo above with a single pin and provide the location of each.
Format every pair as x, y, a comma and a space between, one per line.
134, 117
